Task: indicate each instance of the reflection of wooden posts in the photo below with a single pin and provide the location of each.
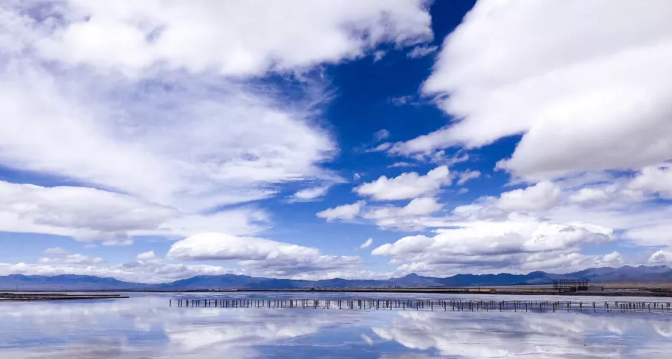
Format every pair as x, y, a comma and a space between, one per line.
425, 304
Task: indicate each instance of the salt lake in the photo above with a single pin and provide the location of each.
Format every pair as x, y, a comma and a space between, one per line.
146, 326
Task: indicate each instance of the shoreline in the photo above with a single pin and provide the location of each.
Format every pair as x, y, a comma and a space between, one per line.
27, 295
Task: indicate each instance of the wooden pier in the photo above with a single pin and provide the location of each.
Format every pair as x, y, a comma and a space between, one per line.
427, 305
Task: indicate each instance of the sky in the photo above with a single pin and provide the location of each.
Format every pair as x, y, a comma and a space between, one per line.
153, 141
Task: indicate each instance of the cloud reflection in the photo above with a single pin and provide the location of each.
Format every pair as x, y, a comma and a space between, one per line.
549, 335
145, 327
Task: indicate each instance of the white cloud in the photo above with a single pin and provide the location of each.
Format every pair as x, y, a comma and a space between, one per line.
138, 98
237, 221
258, 254
612, 259
421, 206
218, 246
118, 242
245, 38
382, 134
366, 243
84, 213
401, 100
520, 245
146, 256
661, 257
367, 339
655, 179
89, 214
543, 195
656, 234
440, 157
541, 227
140, 272
401, 164
468, 176
380, 148
408, 218
345, 212
498, 78
56, 251
590, 195
546, 336
186, 160
74, 259
412, 217
421, 51
406, 186
378, 55
310, 194
343, 274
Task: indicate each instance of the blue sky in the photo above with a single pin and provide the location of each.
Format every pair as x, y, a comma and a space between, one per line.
157, 141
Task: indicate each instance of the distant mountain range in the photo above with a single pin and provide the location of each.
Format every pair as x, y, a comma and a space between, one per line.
626, 274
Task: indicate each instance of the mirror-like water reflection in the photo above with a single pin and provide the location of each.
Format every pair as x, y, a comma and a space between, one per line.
145, 327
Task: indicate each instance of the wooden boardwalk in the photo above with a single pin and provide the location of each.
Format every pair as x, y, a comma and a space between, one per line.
427, 305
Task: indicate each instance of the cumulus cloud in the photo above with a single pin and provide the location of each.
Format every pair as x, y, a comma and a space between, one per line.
408, 218
661, 257
497, 78
366, 243
590, 195
408, 185
542, 195
654, 179
523, 244
344, 212
140, 272
545, 226
262, 255
146, 256
411, 217
89, 214
84, 213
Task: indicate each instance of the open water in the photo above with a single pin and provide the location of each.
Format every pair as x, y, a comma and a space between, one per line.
145, 326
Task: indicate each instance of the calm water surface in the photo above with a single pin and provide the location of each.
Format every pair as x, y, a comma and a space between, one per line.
145, 327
